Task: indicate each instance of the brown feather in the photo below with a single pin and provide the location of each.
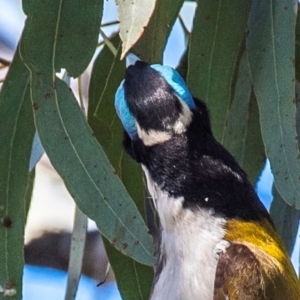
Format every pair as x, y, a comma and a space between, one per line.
247, 273
239, 275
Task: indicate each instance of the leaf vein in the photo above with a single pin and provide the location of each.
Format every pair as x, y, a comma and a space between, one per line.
212, 52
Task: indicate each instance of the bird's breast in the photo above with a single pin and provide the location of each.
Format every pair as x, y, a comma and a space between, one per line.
189, 248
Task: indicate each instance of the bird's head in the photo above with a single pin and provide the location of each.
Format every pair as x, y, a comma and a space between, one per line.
153, 103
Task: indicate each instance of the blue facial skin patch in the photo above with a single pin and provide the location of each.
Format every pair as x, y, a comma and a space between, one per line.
123, 112
173, 78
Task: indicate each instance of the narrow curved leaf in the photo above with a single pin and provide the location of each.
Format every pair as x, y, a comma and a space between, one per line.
139, 280
214, 53
271, 49
151, 45
134, 280
297, 48
182, 67
71, 25
87, 173
134, 15
17, 131
286, 220
69, 141
242, 136
108, 72
76, 253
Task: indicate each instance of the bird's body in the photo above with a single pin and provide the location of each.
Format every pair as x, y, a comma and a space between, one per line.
217, 241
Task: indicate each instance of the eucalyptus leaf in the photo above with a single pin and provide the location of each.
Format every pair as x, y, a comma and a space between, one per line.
151, 45
215, 48
68, 140
87, 173
286, 220
134, 15
242, 136
271, 49
16, 183
182, 67
134, 280
76, 253
68, 27
297, 46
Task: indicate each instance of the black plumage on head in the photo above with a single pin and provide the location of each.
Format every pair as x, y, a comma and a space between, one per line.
150, 98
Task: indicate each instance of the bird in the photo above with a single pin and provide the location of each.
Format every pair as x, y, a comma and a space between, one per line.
217, 239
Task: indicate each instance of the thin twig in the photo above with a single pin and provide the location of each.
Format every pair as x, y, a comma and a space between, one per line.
108, 43
100, 43
110, 23
111, 37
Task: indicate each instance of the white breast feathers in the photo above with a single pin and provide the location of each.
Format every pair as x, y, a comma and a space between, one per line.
189, 245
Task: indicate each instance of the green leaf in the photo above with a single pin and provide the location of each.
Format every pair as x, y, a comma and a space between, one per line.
76, 253
151, 45
108, 72
134, 280
297, 48
286, 220
87, 173
242, 136
69, 141
271, 49
17, 131
134, 15
68, 27
182, 67
214, 54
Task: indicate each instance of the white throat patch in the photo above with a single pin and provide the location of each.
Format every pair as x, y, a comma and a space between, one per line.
190, 242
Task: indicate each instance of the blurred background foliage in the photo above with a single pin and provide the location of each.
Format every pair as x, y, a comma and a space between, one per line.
57, 97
